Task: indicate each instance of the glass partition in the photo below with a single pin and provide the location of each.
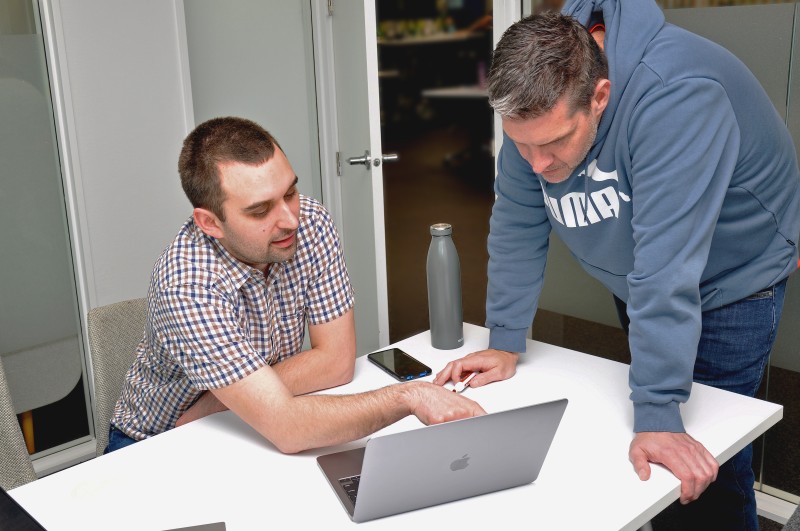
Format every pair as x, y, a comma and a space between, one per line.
40, 339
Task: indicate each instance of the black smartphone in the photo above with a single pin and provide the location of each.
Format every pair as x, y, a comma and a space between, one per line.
399, 364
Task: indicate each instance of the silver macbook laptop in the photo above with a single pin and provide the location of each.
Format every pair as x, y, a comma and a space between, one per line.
445, 462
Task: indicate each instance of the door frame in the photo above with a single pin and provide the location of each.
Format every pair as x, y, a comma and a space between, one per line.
326, 110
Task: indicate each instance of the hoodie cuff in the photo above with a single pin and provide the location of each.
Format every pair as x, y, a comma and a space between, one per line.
510, 340
648, 416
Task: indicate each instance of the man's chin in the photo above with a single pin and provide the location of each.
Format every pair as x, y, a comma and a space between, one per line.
279, 255
556, 176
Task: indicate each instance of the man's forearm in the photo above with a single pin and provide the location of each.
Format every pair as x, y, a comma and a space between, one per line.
304, 373
297, 423
324, 420
314, 370
355, 416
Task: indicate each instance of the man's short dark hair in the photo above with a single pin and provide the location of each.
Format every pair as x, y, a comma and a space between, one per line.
217, 141
538, 60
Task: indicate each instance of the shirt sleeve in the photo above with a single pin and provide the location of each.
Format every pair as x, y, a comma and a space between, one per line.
518, 242
329, 293
684, 146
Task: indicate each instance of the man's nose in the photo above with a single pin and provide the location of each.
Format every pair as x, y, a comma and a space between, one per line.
288, 220
539, 159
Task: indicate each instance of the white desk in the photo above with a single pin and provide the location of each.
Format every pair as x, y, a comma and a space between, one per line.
219, 469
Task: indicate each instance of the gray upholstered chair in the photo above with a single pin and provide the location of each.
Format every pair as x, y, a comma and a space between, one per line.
15, 464
115, 331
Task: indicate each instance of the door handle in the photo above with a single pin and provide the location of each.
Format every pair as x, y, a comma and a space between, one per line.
391, 157
368, 161
365, 160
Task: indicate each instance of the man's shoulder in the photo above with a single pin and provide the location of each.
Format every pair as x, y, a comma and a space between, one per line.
190, 259
316, 222
312, 209
318, 239
677, 54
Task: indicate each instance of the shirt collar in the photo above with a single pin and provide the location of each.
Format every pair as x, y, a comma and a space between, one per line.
238, 271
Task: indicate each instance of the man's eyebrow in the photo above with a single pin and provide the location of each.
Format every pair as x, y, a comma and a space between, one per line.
562, 137
261, 205
551, 141
268, 204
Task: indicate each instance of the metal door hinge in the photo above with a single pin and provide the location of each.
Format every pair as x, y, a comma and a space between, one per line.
338, 164
330, 8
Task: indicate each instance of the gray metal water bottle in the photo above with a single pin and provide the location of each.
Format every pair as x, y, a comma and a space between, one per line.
444, 290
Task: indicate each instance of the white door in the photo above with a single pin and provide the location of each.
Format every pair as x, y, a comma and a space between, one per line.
347, 71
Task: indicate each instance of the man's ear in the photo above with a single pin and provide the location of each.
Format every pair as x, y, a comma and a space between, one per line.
601, 97
208, 222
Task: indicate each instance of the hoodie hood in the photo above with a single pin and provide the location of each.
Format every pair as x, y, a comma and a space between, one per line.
630, 26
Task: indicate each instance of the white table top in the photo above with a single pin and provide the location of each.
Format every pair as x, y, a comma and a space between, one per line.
219, 469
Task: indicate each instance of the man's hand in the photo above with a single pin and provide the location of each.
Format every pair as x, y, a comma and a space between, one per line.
432, 404
681, 454
492, 366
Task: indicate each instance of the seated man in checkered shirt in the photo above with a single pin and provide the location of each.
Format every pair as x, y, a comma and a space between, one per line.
227, 305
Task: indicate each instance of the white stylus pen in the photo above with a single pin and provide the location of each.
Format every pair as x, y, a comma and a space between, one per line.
460, 386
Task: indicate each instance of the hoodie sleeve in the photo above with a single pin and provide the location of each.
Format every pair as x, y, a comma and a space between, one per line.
684, 143
518, 241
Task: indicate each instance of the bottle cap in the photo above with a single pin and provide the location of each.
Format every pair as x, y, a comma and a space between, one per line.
441, 229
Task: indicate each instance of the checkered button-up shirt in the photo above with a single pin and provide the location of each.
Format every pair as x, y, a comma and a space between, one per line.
212, 320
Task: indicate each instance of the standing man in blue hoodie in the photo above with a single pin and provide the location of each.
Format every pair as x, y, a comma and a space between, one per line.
658, 159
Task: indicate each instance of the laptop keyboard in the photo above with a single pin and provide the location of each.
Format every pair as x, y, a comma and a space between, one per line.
350, 485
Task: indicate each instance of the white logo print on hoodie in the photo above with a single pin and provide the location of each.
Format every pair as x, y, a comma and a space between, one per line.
573, 210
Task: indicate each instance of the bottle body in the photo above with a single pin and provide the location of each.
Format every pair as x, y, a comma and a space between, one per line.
444, 290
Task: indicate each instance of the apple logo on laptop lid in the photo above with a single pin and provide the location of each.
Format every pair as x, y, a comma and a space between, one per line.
460, 463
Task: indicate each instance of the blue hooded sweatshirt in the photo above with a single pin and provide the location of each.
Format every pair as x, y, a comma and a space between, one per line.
688, 200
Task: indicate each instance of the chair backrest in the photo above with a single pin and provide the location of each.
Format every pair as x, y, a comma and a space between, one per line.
115, 331
15, 464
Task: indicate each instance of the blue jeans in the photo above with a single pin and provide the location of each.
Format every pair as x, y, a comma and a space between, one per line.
117, 440
733, 351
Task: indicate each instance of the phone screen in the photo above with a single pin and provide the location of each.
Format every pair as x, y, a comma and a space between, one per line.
399, 364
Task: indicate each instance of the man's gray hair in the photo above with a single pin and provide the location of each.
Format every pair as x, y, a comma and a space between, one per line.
538, 60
